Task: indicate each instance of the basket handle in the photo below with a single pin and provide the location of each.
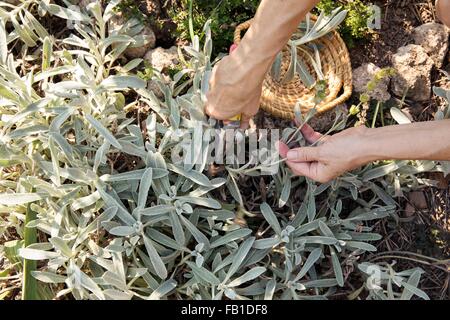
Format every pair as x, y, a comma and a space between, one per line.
239, 29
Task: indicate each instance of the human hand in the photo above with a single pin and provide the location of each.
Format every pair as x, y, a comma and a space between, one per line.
333, 155
235, 88
443, 11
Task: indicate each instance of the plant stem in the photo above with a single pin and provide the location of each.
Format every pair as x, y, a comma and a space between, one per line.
29, 287
375, 116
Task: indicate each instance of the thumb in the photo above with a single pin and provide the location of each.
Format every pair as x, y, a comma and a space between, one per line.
307, 154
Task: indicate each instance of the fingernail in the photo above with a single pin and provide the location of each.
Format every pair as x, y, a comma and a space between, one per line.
292, 155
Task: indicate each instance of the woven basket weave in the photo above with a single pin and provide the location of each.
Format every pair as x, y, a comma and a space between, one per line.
280, 99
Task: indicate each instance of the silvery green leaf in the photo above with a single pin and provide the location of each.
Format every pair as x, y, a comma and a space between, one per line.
3, 43
270, 218
66, 13
234, 189
155, 259
285, 192
23, 33
87, 282
199, 260
144, 187
312, 258
413, 281
248, 276
361, 245
204, 202
325, 230
164, 289
34, 254
100, 155
321, 283
383, 170
157, 210
34, 107
266, 243
12, 199
115, 280
414, 290
365, 236
337, 267
123, 82
48, 277
60, 119
133, 175
112, 294
311, 206
386, 198
198, 236
60, 245
164, 240
239, 257
270, 289
133, 64
62, 143
305, 76
318, 240
122, 213
52, 72
103, 131
193, 175
177, 228
231, 236
276, 67
290, 73
122, 231
399, 116
84, 202
203, 274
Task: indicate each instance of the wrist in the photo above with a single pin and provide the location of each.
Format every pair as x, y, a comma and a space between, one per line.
366, 147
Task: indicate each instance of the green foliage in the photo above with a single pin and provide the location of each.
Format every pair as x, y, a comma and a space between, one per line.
130, 9
355, 25
225, 15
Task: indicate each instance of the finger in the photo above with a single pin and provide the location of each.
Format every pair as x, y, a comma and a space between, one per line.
233, 47
282, 149
245, 124
217, 113
245, 121
307, 154
310, 135
304, 169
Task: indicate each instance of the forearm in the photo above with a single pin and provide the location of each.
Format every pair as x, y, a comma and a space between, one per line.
272, 27
418, 141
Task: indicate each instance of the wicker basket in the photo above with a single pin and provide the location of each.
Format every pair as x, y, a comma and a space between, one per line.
280, 99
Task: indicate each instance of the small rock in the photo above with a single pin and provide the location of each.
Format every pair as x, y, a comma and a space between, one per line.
433, 37
413, 67
366, 73
163, 59
146, 41
418, 200
325, 121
